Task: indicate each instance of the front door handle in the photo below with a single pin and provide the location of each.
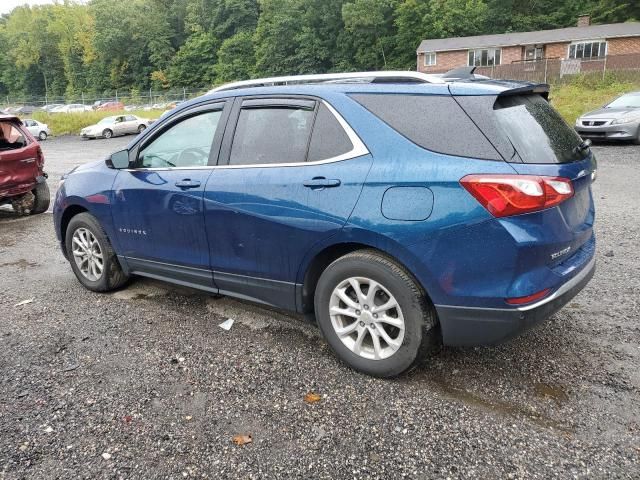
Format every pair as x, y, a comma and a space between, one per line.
321, 182
187, 183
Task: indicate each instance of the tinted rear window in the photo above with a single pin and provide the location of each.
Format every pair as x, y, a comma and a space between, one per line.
271, 135
434, 122
328, 140
537, 132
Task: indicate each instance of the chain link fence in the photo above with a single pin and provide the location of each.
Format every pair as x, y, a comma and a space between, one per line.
132, 99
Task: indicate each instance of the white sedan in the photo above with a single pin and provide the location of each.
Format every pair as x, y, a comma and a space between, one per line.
118, 125
37, 129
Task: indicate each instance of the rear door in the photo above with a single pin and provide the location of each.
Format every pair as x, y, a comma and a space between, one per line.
290, 176
20, 159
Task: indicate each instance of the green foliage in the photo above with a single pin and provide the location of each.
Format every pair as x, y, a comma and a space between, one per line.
97, 46
236, 58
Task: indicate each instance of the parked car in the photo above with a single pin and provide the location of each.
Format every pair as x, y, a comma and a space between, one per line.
618, 120
23, 182
118, 125
111, 107
400, 209
37, 129
52, 106
72, 108
25, 110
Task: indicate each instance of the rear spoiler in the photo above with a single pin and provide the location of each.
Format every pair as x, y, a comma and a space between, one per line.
541, 89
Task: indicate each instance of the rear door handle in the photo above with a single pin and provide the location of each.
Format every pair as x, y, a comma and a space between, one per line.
187, 183
322, 182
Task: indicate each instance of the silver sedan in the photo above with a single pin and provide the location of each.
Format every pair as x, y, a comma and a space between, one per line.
618, 120
117, 125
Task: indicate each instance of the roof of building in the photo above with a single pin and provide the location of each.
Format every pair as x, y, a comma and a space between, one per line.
591, 32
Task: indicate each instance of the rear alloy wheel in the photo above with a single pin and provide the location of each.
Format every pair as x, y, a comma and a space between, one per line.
370, 325
92, 258
373, 314
107, 133
142, 128
42, 136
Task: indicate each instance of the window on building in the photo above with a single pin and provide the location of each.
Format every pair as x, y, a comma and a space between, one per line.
429, 59
484, 57
533, 53
588, 50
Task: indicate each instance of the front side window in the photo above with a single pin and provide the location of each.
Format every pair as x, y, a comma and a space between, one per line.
185, 144
429, 59
272, 134
588, 50
484, 57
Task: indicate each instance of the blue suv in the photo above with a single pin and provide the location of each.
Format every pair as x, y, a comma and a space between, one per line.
401, 209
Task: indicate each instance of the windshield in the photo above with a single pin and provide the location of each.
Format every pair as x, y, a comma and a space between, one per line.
106, 120
625, 101
536, 131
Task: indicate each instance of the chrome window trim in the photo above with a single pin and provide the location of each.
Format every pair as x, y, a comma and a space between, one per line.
359, 149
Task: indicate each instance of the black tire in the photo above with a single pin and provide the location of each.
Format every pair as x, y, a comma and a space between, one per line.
42, 136
107, 133
420, 320
112, 277
43, 198
142, 128
637, 139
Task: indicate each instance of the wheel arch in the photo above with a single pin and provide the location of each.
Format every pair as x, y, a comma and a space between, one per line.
69, 212
310, 273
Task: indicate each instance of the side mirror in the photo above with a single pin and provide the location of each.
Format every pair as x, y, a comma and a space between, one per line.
118, 160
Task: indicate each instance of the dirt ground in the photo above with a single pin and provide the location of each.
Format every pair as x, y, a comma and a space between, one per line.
143, 383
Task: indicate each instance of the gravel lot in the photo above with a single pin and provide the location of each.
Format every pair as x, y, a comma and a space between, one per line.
143, 383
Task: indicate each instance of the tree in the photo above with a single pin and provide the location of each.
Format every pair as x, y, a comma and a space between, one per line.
370, 31
236, 58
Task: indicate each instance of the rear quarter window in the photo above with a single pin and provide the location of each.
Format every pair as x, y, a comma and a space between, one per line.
433, 122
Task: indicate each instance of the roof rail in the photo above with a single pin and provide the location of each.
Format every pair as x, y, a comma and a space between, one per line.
352, 77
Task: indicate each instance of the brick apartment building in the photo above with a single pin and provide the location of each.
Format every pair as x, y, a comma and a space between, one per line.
585, 45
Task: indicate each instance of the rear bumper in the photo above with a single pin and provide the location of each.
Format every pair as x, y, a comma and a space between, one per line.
472, 326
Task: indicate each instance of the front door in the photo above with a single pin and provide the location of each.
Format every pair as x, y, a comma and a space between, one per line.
292, 177
158, 206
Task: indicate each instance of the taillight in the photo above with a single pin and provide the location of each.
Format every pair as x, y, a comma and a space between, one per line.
505, 195
528, 298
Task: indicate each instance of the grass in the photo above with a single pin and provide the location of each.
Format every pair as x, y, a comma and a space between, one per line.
72, 123
579, 97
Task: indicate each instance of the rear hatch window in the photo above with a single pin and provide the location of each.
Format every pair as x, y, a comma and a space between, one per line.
537, 131
524, 128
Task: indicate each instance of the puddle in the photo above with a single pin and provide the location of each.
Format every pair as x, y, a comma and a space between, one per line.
22, 263
552, 392
501, 407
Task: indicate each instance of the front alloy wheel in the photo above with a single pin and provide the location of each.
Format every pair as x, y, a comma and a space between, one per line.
87, 254
91, 255
367, 318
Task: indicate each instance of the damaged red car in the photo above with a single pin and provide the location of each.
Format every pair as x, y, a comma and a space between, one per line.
23, 182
